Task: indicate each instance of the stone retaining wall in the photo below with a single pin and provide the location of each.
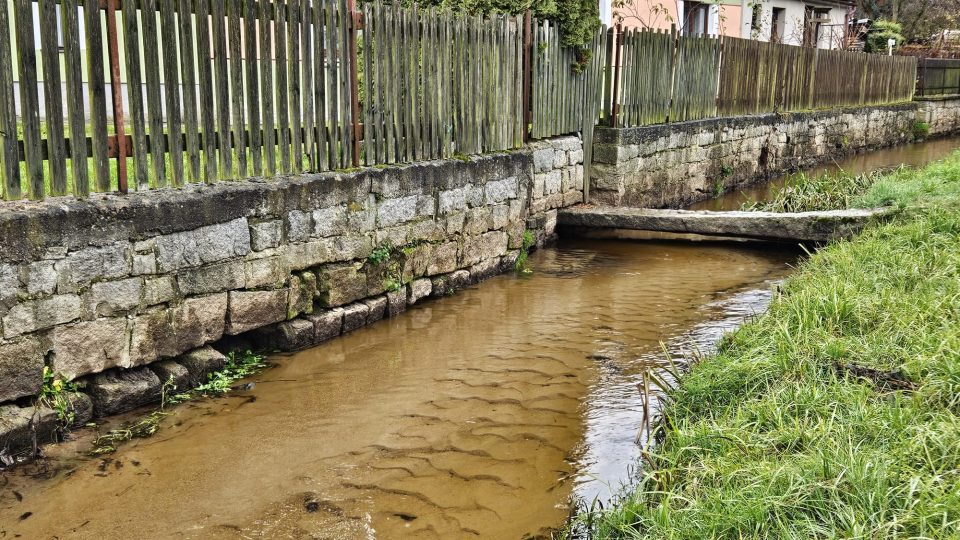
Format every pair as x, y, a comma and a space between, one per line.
941, 114
108, 290
673, 165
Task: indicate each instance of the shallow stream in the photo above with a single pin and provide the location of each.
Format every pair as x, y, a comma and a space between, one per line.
479, 415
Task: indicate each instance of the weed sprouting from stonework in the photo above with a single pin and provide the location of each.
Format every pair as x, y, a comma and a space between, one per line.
521, 264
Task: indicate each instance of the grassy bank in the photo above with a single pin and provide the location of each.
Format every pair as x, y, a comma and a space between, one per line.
837, 413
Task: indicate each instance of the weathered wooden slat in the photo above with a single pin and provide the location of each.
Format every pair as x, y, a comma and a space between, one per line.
53, 94
9, 157
306, 83
151, 67
369, 129
74, 84
294, 95
206, 92
255, 138
131, 37
320, 86
171, 89
188, 73
282, 97
235, 33
333, 87
222, 77
346, 121
267, 47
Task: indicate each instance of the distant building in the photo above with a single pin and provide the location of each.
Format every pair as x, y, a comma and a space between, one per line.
822, 23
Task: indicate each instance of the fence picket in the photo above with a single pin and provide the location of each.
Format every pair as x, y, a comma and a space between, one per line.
9, 156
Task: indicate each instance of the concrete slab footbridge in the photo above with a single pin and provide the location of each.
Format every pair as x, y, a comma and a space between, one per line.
812, 227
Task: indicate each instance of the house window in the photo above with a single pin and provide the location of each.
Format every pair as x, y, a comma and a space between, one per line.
814, 18
696, 17
777, 24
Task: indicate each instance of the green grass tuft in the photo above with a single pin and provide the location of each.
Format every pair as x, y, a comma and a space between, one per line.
837, 413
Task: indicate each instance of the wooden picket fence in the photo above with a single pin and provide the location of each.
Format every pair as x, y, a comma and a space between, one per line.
436, 85
938, 77
664, 77
566, 88
143, 94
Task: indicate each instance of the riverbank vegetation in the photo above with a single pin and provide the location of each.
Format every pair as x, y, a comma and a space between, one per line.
836, 413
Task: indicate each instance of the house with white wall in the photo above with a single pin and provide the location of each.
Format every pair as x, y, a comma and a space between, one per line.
819, 23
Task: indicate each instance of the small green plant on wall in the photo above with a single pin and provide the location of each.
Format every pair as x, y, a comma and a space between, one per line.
920, 130
521, 265
55, 394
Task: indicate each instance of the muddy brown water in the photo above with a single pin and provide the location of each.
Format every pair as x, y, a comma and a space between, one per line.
481, 415
477, 415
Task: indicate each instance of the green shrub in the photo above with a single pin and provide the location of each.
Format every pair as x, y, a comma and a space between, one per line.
879, 33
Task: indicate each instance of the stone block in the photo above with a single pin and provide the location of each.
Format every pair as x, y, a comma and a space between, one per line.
327, 324
418, 289
144, 264
569, 144
377, 308
455, 222
575, 156
82, 407
89, 347
286, 336
21, 369
487, 246
571, 198
41, 314
9, 284
171, 370
269, 272
396, 302
539, 183
40, 278
416, 261
443, 259
212, 278
331, 221
484, 269
543, 159
110, 298
201, 363
479, 220
266, 234
206, 245
82, 267
19, 426
303, 256
253, 309
453, 200
340, 284
118, 391
299, 226
395, 211
166, 333
354, 316
426, 230
498, 191
300, 299
158, 290
346, 248
560, 159
500, 215
552, 183
450, 283
362, 218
